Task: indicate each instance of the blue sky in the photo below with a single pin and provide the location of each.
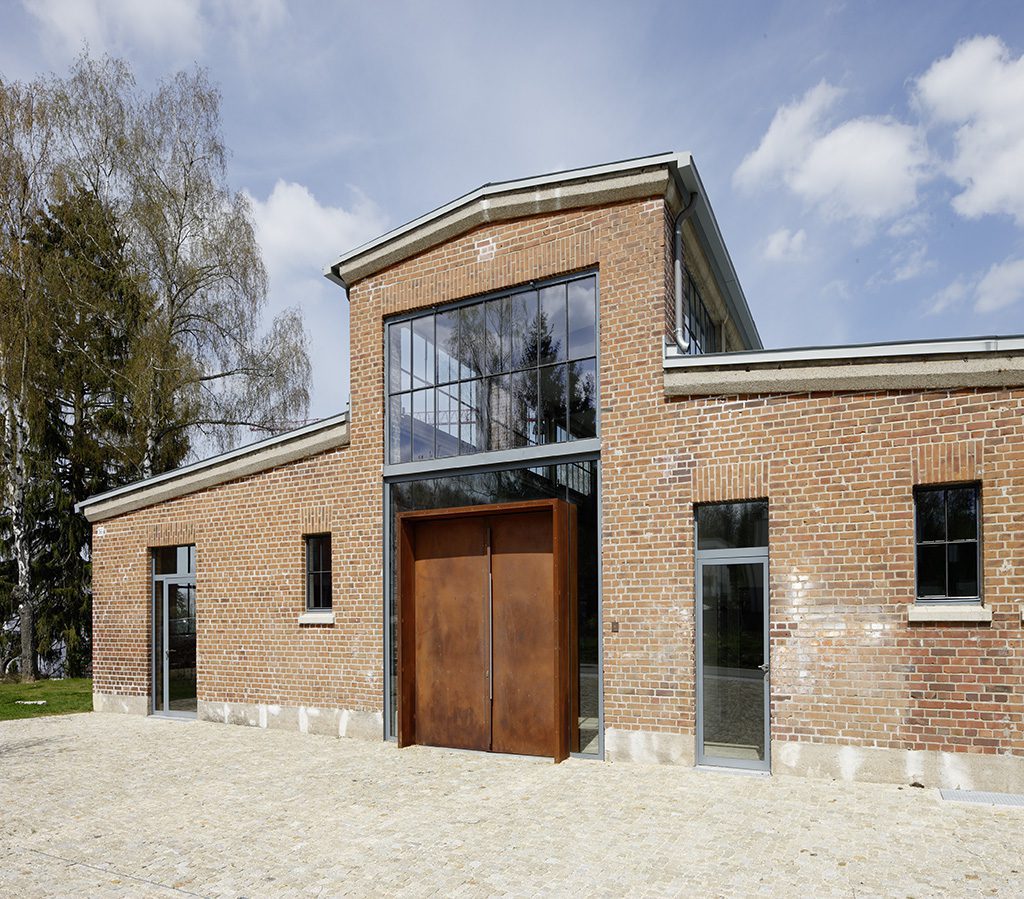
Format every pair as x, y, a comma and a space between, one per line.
865, 160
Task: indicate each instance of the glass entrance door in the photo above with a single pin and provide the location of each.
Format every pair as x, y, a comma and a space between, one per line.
733, 663
174, 631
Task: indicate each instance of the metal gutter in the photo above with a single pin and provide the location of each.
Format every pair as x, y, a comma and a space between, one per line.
852, 352
273, 448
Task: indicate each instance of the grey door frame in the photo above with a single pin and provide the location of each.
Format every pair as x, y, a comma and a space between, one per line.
725, 557
165, 581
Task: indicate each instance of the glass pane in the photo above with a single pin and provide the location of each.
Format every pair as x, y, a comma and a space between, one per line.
447, 324
472, 341
447, 436
582, 318
733, 687
326, 598
423, 425
158, 646
732, 525
963, 569
499, 407
524, 408
931, 570
191, 560
400, 353
472, 417
400, 426
553, 414
166, 560
551, 343
583, 399
524, 330
423, 351
931, 515
181, 645
962, 513
499, 350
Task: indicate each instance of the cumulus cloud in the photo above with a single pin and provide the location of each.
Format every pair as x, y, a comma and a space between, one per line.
979, 88
171, 25
299, 235
784, 245
866, 168
1002, 286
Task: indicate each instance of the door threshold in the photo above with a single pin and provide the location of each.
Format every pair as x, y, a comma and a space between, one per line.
175, 716
724, 769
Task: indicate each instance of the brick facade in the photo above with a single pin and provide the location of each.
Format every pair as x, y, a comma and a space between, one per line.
838, 470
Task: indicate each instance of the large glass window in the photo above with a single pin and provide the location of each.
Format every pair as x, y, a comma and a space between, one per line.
575, 482
508, 371
948, 545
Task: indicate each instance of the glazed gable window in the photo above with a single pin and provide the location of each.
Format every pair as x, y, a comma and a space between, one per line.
948, 542
318, 573
512, 370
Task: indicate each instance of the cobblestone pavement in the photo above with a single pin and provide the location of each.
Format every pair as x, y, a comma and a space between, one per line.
110, 805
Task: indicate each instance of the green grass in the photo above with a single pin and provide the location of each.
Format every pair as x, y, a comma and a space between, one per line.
62, 696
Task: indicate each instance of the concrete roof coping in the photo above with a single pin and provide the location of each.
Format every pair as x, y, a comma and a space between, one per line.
987, 362
253, 458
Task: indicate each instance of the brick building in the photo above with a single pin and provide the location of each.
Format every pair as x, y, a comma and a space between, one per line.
577, 508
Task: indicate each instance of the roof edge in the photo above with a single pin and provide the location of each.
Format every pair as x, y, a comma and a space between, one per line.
244, 461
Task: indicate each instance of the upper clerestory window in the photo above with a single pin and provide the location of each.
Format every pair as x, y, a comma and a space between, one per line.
512, 370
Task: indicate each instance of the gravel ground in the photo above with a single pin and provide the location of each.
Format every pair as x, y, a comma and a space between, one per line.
111, 805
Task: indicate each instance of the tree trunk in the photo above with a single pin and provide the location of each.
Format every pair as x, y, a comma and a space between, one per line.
28, 647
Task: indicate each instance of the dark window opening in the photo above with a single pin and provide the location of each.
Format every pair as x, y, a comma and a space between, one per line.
948, 542
318, 572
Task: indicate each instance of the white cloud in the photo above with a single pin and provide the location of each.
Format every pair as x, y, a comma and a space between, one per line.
298, 235
979, 87
784, 245
910, 262
794, 128
950, 295
1002, 286
867, 168
105, 25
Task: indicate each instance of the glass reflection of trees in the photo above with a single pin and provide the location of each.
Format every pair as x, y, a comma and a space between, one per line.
512, 371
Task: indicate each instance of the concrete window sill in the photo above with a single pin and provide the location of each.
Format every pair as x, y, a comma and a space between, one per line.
321, 617
954, 612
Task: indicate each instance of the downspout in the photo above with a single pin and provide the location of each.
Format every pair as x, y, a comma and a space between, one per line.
682, 338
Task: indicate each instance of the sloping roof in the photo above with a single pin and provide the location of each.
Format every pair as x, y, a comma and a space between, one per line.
263, 455
665, 173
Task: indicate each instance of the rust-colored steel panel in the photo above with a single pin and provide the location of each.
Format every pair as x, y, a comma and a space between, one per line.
451, 634
522, 572
458, 632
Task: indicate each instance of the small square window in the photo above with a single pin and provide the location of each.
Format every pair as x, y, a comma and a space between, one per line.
318, 572
948, 538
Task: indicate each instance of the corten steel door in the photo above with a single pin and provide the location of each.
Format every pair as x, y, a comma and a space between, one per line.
484, 628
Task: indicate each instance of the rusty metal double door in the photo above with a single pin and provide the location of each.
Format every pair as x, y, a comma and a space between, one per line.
483, 608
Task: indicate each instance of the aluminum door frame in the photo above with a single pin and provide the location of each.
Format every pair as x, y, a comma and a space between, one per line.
748, 556
165, 580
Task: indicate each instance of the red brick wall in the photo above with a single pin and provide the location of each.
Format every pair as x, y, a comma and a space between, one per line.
838, 471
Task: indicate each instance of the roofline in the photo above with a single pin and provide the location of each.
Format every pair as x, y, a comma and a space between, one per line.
223, 460
494, 188
481, 205
954, 346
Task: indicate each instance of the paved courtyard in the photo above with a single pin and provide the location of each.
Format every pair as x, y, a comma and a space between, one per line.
110, 805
